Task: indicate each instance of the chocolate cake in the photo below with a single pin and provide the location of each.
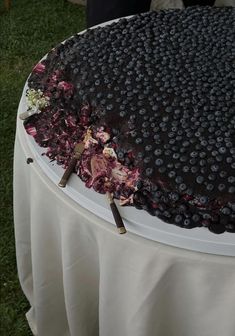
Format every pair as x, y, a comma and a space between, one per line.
156, 94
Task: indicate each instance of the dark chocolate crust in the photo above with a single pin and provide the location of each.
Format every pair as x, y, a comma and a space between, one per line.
162, 84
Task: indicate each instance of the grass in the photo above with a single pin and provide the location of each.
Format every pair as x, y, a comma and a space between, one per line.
27, 32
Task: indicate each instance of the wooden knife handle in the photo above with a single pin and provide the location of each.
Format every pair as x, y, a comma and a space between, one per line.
68, 172
117, 218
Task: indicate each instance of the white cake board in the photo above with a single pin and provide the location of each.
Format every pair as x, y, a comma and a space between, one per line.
136, 221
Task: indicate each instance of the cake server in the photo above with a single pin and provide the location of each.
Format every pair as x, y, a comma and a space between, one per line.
78, 150
99, 169
116, 214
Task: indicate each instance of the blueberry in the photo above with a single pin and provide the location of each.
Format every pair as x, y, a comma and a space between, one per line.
146, 134
167, 214
139, 184
158, 152
196, 218
176, 155
194, 169
158, 194
178, 219
162, 169
158, 162
147, 159
200, 179
231, 179
185, 143
148, 171
222, 150
178, 179
193, 154
214, 168
212, 177
209, 187
120, 155
187, 222
182, 187
182, 208
185, 169
172, 174
174, 196
231, 190
221, 187
223, 174
140, 155
226, 211
148, 148
203, 200
138, 141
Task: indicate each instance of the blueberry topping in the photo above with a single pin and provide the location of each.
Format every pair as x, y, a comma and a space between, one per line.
174, 121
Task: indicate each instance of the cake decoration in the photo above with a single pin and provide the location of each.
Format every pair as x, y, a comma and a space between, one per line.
36, 102
157, 93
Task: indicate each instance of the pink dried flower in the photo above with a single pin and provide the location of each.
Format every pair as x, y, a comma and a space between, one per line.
31, 130
66, 86
39, 68
102, 136
84, 120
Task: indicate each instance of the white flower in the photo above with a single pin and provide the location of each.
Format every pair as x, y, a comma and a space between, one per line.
36, 101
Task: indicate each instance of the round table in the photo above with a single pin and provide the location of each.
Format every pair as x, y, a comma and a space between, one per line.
82, 278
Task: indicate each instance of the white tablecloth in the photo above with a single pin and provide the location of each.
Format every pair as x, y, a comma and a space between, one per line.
83, 279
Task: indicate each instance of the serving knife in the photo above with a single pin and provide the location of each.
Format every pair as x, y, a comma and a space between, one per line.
99, 168
116, 214
78, 150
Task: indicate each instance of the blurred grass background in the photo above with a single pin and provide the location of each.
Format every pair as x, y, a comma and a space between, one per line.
27, 32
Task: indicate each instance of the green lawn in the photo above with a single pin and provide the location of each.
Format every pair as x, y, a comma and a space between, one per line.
27, 32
